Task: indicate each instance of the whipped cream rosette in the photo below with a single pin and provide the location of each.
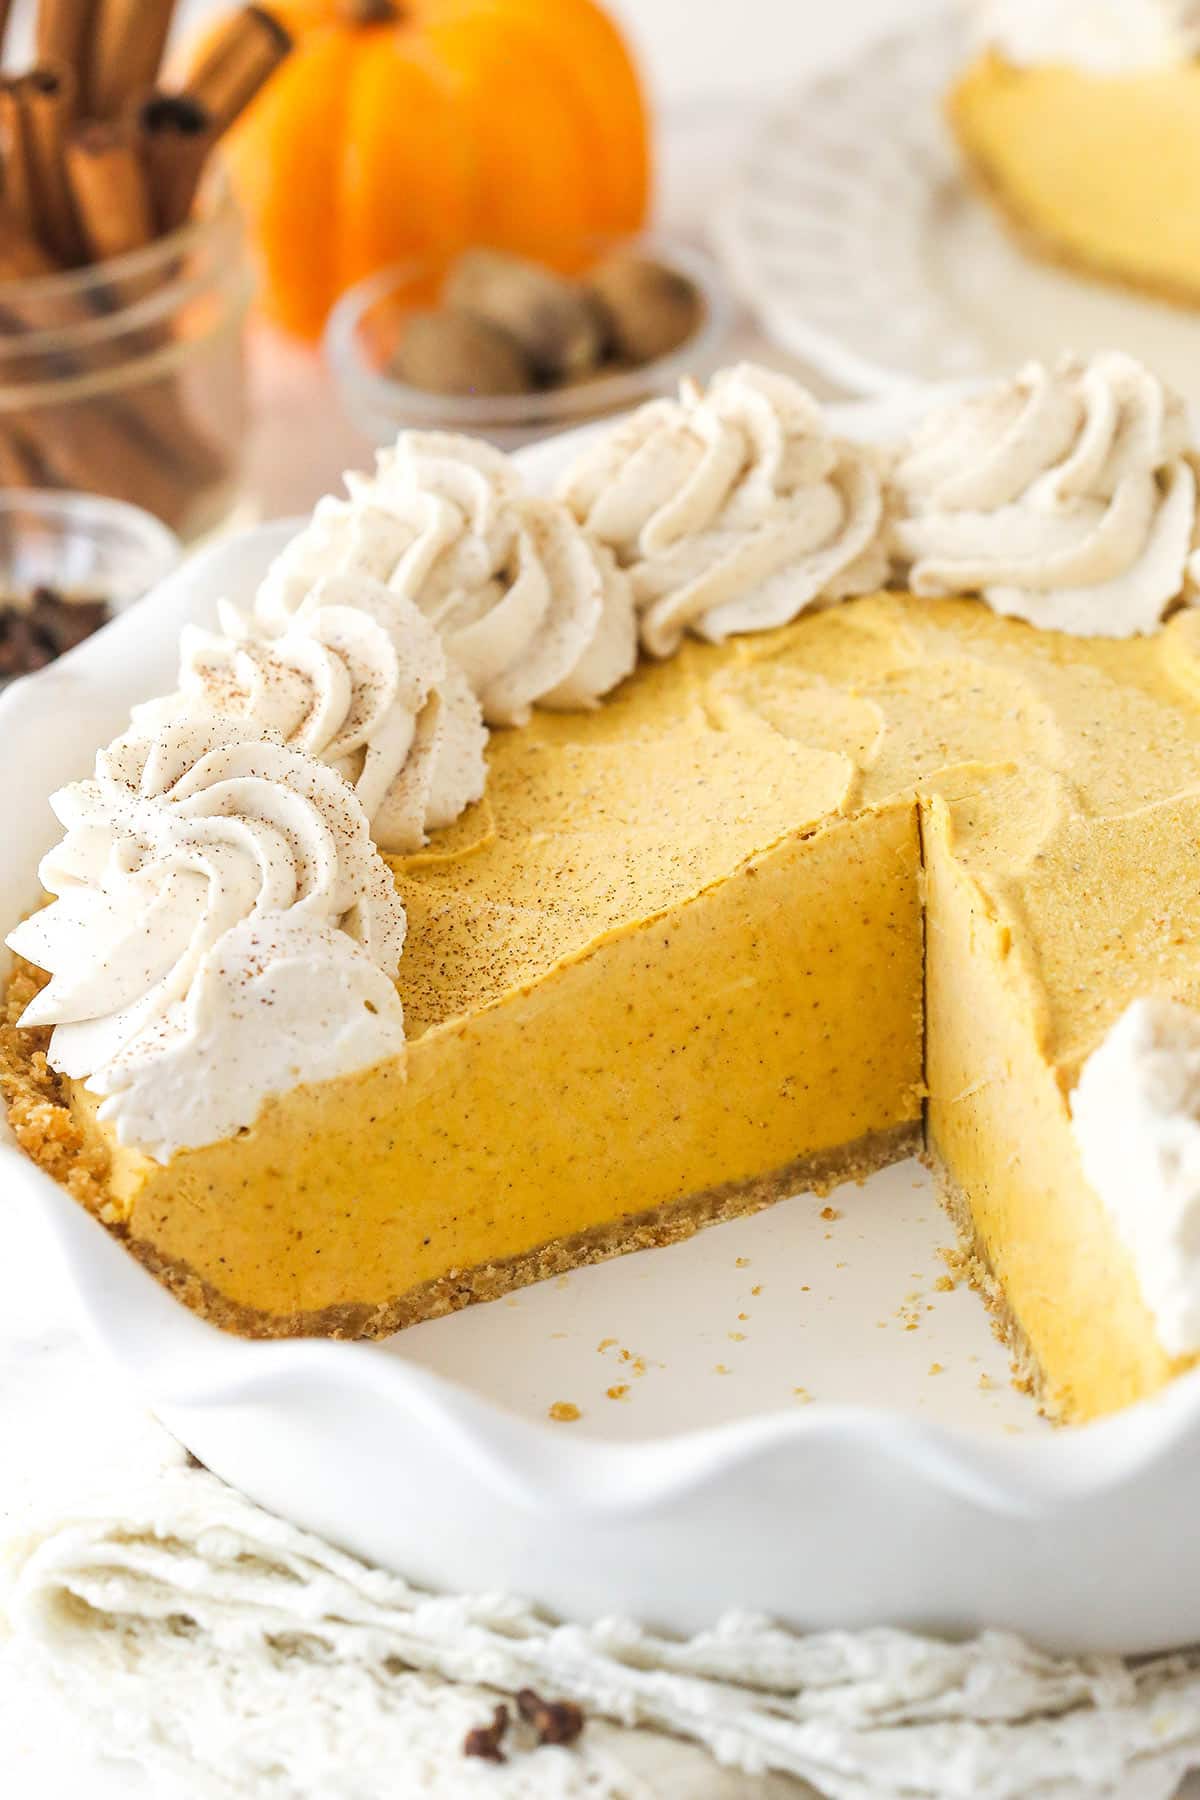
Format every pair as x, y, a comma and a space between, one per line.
1066, 497
357, 677
1136, 1117
223, 929
732, 508
525, 604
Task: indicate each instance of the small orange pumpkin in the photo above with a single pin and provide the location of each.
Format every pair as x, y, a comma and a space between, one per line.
406, 129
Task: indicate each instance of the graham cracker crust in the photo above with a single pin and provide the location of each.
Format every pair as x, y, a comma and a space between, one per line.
669, 1224
1033, 242
458, 1288
38, 1117
970, 1260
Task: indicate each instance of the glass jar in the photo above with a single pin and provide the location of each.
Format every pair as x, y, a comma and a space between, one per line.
90, 558
127, 377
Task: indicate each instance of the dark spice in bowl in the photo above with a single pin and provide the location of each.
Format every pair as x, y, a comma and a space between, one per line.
37, 627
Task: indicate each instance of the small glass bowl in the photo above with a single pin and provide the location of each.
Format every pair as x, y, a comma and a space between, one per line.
367, 316
126, 377
82, 547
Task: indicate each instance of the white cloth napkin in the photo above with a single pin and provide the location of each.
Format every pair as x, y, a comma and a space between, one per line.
229, 1653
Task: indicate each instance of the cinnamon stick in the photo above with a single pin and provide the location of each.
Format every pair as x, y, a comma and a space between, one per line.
241, 59
16, 148
87, 445
127, 41
49, 93
19, 462
61, 37
175, 136
111, 192
22, 257
99, 445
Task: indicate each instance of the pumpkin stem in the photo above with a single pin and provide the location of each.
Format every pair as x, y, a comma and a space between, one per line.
369, 12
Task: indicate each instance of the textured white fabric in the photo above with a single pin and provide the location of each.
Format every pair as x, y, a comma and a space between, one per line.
230, 1653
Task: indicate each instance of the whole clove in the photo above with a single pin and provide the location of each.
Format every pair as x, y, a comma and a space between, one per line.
555, 1721
484, 1741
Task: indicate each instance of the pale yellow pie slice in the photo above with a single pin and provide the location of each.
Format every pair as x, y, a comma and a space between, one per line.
1098, 171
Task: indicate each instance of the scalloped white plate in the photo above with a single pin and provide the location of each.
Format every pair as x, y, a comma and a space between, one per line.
851, 231
881, 1492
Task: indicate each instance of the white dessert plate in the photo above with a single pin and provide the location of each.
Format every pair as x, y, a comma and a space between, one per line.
851, 230
785, 1414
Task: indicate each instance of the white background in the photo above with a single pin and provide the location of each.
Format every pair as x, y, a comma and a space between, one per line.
691, 48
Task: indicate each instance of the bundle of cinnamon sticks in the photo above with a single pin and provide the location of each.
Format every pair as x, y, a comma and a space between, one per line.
96, 161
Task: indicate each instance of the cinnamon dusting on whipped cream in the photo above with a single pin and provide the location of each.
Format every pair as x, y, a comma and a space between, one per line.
222, 930
1066, 497
357, 677
532, 610
732, 508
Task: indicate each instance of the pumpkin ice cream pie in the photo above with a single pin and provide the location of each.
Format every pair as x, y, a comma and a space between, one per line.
836, 873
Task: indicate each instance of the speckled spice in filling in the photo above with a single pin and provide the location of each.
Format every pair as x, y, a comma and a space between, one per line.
680, 947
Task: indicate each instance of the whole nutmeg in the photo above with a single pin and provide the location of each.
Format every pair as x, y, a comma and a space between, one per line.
553, 320
649, 309
449, 352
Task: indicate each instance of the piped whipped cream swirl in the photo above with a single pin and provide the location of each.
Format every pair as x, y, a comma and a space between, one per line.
1101, 37
525, 604
1136, 1118
733, 509
357, 677
223, 930
1066, 497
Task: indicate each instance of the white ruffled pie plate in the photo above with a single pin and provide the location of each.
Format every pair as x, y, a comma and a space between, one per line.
851, 230
784, 1414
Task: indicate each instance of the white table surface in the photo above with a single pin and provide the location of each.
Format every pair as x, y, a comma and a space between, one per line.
693, 49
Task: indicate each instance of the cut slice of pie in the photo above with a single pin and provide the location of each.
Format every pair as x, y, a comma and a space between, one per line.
896, 874
1082, 126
